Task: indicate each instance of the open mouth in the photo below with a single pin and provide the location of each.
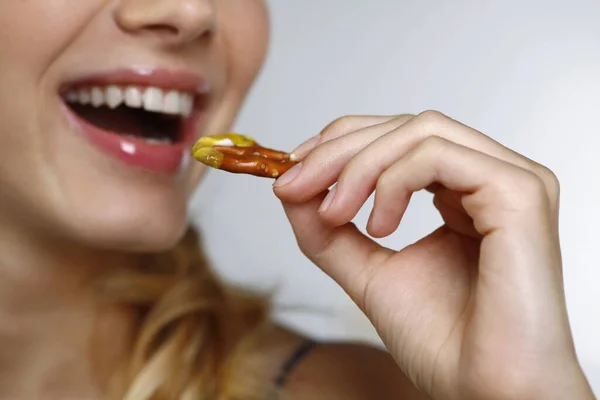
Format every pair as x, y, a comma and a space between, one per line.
152, 114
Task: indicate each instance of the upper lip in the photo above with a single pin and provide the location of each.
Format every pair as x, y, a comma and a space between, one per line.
168, 79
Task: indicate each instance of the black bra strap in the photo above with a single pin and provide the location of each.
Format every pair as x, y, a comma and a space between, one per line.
302, 351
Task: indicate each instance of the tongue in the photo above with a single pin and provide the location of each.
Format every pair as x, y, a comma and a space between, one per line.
120, 120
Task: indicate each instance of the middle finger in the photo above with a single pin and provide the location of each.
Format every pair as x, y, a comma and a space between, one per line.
359, 158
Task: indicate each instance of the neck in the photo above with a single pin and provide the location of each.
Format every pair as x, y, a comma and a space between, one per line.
57, 337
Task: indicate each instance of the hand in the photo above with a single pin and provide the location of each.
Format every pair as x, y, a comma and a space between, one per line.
476, 309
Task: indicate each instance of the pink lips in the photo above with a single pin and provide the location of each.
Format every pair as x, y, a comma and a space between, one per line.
159, 158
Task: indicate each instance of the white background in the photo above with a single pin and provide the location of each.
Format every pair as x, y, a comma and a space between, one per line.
526, 73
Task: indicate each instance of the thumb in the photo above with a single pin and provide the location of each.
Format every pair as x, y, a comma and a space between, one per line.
342, 252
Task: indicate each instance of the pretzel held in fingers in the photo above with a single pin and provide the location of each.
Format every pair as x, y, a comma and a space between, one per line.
241, 154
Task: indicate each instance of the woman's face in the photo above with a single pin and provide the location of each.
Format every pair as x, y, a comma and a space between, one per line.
100, 101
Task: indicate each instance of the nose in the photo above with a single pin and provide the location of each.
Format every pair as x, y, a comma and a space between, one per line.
174, 22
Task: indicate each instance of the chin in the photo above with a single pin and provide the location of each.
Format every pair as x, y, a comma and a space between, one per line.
133, 236
129, 134
134, 225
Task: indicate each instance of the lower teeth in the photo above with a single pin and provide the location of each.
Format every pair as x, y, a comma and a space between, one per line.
159, 141
153, 140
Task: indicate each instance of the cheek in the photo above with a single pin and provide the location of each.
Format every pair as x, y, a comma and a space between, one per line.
241, 46
46, 184
49, 183
33, 34
246, 32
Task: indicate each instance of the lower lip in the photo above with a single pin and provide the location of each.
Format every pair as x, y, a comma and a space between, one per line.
158, 158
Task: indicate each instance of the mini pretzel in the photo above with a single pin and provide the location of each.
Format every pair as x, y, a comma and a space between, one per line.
241, 154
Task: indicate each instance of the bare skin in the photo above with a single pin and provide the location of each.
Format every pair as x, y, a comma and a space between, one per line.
58, 231
70, 212
351, 371
485, 289
476, 309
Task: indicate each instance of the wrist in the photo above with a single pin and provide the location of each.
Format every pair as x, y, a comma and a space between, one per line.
575, 386
568, 383
565, 381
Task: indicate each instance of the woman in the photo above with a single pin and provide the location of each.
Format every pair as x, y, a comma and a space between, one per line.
104, 294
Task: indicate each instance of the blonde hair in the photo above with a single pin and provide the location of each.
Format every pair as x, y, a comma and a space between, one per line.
196, 337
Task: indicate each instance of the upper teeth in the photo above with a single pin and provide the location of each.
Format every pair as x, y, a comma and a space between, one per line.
152, 99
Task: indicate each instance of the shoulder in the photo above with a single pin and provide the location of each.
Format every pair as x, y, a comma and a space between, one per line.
350, 371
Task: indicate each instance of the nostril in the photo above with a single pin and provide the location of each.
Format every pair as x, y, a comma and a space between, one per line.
163, 29
174, 21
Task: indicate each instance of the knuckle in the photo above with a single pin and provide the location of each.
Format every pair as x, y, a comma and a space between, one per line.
551, 181
526, 188
339, 127
535, 185
430, 123
431, 117
433, 146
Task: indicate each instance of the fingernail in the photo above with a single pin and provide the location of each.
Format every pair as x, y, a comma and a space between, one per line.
328, 200
305, 148
289, 176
